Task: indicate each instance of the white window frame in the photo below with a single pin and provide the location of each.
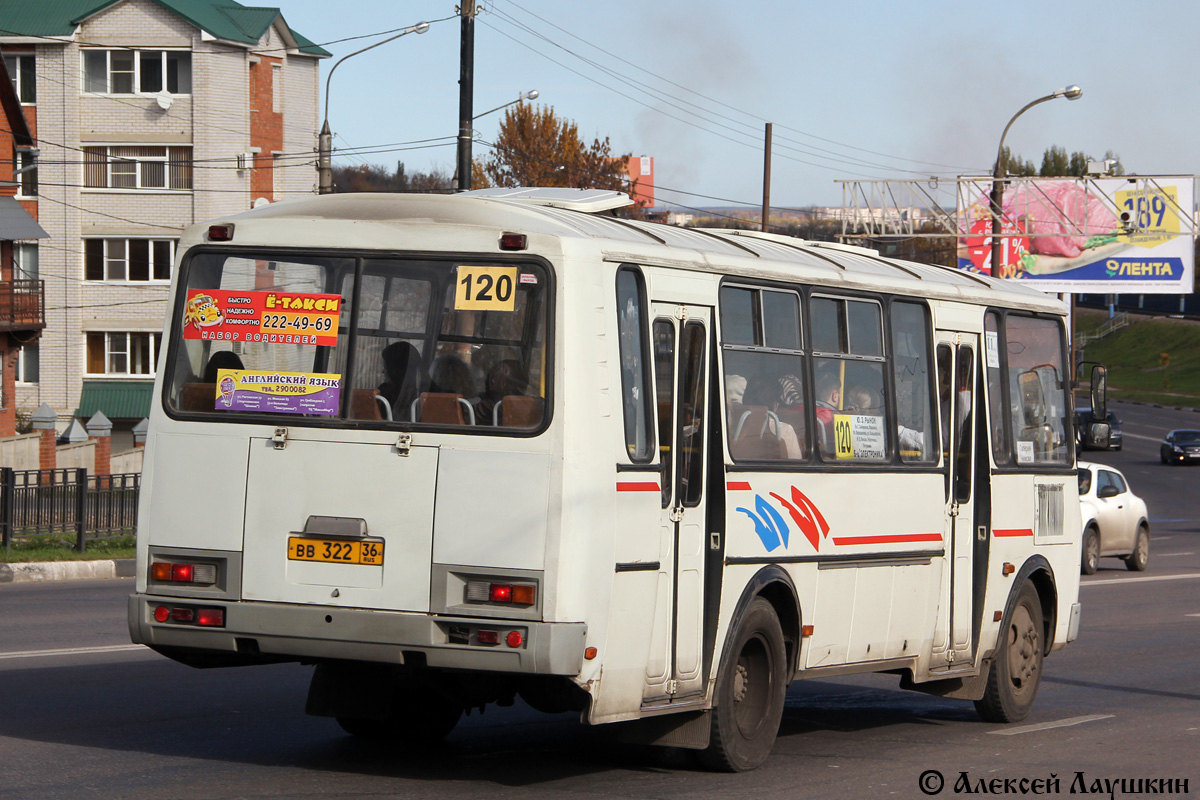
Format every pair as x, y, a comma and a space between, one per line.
23, 365
23, 253
17, 67
138, 172
137, 72
110, 256
21, 159
112, 342
277, 88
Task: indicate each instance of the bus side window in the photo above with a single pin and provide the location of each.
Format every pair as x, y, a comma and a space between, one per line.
631, 337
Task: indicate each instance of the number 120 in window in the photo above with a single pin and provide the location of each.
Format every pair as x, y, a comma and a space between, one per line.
485, 288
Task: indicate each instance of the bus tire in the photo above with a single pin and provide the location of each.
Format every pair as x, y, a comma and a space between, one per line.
418, 715
1016, 671
748, 701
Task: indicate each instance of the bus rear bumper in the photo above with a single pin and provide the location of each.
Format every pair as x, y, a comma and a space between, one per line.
256, 632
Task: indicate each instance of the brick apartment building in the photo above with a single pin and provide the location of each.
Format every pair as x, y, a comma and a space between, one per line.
148, 115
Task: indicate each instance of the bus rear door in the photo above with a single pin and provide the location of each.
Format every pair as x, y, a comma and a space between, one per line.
680, 342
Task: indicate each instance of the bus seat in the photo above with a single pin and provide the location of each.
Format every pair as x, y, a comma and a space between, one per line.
365, 404
519, 411
443, 409
795, 418
199, 396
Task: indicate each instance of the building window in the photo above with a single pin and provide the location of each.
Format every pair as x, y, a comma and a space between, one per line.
137, 167
27, 181
27, 363
20, 69
128, 260
122, 353
128, 71
277, 88
25, 261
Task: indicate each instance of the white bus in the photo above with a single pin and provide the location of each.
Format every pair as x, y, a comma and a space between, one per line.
453, 450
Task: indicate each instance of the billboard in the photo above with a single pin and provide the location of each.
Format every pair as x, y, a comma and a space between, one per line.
1130, 235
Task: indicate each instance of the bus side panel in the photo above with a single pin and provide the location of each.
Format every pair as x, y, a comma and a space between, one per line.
491, 509
210, 470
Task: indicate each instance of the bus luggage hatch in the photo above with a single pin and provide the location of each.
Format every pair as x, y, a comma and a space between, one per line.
340, 524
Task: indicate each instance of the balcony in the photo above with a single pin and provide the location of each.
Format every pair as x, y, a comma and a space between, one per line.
22, 306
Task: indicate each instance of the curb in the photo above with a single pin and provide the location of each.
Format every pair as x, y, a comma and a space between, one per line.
38, 571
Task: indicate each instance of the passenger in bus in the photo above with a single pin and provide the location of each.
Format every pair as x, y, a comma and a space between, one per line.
451, 375
404, 380
860, 400
829, 393
506, 379
222, 359
765, 392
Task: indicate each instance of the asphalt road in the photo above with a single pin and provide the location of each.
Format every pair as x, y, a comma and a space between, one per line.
83, 714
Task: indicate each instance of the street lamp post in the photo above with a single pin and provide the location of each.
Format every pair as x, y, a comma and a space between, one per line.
997, 198
532, 94
325, 140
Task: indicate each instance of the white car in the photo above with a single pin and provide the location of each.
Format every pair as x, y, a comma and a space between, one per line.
1115, 520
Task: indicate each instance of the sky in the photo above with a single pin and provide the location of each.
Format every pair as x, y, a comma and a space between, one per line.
860, 90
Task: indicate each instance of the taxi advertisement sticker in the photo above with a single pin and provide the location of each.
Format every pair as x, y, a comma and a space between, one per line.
273, 317
278, 392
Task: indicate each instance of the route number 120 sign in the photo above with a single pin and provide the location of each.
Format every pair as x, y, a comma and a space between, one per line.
485, 288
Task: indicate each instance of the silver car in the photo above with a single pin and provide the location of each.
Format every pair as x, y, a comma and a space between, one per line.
1115, 520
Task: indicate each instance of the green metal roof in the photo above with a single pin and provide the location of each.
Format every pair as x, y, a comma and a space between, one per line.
117, 399
224, 19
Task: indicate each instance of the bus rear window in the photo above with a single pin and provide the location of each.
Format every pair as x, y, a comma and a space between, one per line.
381, 341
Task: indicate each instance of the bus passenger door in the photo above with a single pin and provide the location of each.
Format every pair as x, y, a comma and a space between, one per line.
680, 341
956, 364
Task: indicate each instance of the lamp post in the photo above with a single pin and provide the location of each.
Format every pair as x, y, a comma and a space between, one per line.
997, 198
532, 94
325, 140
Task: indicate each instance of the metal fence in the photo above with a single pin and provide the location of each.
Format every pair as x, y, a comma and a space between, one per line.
54, 503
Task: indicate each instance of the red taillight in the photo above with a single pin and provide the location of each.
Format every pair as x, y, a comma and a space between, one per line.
487, 637
162, 614
183, 614
501, 593
182, 573
513, 241
211, 617
514, 639
220, 233
166, 572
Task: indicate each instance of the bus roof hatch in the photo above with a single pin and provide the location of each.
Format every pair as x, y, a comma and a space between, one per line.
589, 201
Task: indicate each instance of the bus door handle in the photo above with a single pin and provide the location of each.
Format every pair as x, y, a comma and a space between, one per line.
676, 514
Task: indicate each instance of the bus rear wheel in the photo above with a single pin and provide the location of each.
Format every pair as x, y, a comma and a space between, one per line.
418, 715
749, 693
1016, 670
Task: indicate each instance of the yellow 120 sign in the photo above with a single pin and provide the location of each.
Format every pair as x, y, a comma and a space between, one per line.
485, 288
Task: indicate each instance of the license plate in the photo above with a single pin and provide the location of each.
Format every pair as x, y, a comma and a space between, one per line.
335, 551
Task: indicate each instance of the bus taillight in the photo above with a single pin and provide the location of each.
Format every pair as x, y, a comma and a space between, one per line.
166, 572
521, 594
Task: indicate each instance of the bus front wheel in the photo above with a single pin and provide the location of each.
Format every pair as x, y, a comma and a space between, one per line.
1016, 671
749, 694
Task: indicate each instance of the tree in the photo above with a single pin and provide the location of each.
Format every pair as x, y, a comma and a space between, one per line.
374, 178
537, 148
1013, 165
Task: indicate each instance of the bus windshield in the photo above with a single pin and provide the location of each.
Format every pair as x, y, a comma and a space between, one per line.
316, 339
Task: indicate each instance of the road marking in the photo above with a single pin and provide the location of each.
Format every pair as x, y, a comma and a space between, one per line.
1192, 615
1143, 436
1045, 726
1141, 580
72, 651
1164, 555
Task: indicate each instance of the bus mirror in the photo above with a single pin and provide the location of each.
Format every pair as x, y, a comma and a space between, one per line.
1099, 392
1098, 433
1033, 406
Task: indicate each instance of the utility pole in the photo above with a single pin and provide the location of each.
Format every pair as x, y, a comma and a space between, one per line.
766, 212
466, 81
